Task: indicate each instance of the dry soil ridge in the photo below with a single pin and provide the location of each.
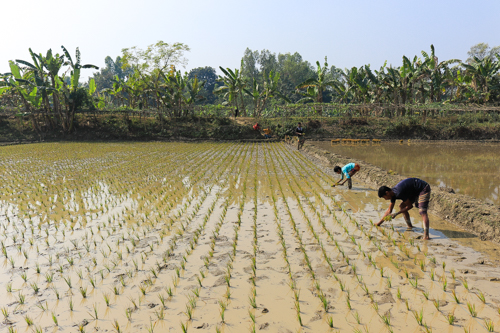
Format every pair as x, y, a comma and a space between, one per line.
474, 215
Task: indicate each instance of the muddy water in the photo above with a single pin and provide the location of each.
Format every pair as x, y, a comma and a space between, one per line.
167, 237
468, 167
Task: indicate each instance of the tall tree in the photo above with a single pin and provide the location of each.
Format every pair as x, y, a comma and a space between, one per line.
209, 76
482, 51
250, 61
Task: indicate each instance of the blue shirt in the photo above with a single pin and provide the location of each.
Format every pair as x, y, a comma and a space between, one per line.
408, 188
346, 169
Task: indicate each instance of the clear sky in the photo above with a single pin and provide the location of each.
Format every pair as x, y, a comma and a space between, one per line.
350, 33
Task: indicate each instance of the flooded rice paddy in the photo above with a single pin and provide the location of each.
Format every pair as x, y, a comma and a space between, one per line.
231, 237
471, 168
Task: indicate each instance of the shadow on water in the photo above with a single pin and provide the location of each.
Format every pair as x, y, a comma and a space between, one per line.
456, 234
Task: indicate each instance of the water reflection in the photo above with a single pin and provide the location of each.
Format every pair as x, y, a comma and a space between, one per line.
470, 168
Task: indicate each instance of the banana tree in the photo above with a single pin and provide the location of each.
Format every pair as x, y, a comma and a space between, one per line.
27, 91
436, 74
321, 82
233, 88
261, 93
71, 94
194, 87
483, 73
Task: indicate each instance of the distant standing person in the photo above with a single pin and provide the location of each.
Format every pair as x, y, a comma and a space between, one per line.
299, 131
256, 127
348, 171
410, 191
236, 112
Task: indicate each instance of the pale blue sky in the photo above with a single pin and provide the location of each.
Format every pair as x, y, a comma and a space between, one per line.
350, 33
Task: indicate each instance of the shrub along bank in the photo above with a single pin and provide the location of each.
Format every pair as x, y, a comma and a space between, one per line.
122, 127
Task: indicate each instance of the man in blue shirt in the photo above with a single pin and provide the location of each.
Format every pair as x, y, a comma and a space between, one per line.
348, 171
410, 191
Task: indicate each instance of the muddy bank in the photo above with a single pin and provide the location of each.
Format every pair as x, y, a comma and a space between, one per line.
476, 216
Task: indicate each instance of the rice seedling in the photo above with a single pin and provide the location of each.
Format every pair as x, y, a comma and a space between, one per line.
184, 327
252, 316
28, 320
419, 316
68, 281
142, 288
481, 297
414, 283
54, 319
488, 323
21, 298
472, 309
436, 303
116, 326
386, 319
106, 299
355, 314
83, 292
451, 318
35, 287
5, 312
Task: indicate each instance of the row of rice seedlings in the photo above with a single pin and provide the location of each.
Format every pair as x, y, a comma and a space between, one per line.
320, 294
191, 301
253, 265
190, 307
223, 304
277, 219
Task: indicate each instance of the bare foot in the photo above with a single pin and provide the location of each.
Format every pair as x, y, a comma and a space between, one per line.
426, 237
409, 228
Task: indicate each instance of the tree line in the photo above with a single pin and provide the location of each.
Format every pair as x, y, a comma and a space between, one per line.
48, 88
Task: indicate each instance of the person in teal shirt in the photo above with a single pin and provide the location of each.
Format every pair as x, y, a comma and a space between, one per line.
348, 171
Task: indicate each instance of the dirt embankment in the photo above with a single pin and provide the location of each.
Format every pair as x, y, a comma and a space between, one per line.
476, 216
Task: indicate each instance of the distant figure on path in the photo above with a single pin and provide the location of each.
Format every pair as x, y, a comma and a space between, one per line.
410, 191
256, 127
236, 112
299, 131
348, 171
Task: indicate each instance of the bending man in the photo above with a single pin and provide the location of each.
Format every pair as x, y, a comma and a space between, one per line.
410, 191
348, 171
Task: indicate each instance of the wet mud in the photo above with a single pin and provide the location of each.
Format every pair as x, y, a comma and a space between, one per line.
228, 237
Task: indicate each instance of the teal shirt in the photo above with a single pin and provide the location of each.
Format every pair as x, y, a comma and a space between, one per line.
346, 169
